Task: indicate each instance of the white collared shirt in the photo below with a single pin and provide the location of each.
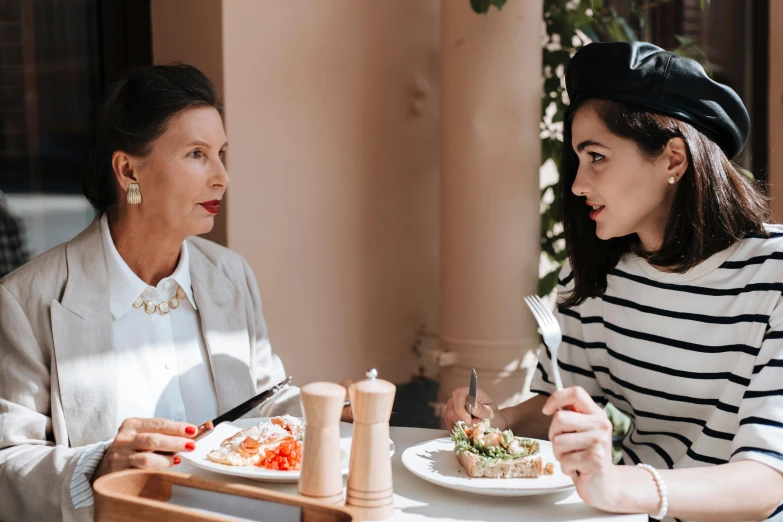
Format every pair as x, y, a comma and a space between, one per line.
163, 367
162, 362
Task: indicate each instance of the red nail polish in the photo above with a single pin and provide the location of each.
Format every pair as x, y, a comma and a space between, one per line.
190, 446
177, 460
190, 430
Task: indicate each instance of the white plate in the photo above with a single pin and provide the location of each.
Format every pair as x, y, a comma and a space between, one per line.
198, 457
435, 461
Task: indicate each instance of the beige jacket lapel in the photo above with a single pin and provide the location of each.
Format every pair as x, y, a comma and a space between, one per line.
224, 321
83, 344
84, 348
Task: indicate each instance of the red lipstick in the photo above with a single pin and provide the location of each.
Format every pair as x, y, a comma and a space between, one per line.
211, 206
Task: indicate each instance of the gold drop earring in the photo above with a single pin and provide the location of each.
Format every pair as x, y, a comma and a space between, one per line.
134, 194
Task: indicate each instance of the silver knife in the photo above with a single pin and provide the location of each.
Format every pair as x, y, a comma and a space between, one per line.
470, 404
235, 413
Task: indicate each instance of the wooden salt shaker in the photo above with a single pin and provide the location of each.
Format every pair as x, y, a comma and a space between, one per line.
321, 477
370, 490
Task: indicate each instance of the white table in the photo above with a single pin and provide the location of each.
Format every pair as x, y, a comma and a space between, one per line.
418, 500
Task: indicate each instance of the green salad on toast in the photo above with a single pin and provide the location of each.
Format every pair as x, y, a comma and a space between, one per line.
490, 443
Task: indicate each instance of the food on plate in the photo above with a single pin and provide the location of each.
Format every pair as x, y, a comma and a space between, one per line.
286, 456
274, 444
484, 451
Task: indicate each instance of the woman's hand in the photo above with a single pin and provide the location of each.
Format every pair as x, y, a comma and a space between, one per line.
582, 442
347, 413
147, 444
485, 409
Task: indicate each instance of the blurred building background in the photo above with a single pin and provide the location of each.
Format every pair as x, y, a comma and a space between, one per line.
384, 156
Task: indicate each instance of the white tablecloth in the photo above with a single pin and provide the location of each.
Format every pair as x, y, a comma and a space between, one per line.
418, 500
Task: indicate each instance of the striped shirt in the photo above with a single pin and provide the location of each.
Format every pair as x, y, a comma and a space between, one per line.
694, 359
81, 487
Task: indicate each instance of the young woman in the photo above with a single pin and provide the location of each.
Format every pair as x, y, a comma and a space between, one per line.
670, 303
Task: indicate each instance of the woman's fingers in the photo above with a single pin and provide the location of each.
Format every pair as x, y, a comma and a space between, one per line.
484, 406
346, 415
571, 442
149, 460
149, 444
455, 410
457, 402
572, 465
164, 426
587, 461
482, 411
564, 421
159, 442
575, 396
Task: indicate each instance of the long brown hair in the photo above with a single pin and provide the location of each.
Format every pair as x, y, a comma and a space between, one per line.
715, 205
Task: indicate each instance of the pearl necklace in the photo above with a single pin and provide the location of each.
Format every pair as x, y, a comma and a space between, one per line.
161, 308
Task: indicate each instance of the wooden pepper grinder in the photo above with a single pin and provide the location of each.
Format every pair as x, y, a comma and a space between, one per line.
321, 477
370, 490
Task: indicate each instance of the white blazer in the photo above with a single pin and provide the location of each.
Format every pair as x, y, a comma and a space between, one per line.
57, 363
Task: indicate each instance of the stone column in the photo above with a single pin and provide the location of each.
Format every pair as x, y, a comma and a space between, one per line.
489, 245
332, 113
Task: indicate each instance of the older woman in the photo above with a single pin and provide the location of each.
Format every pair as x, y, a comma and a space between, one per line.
115, 345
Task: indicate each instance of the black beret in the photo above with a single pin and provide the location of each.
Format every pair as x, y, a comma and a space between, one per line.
663, 82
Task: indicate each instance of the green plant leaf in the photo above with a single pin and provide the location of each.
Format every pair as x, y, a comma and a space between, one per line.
557, 153
590, 32
630, 34
480, 6
551, 84
546, 153
548, 283
580, 18
555, 58
559, 115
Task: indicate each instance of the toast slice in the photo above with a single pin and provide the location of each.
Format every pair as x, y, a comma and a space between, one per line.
524, 467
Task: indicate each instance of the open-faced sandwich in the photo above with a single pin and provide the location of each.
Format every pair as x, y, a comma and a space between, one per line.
485, 451
274, 444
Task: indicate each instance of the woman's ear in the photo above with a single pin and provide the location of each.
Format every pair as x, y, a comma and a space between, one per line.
123, 166
676, 158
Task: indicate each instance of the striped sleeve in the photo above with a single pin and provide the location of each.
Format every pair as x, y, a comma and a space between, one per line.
81, 487
572, 356
760, 433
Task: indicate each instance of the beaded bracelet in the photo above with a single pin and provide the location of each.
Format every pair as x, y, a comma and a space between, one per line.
662, 491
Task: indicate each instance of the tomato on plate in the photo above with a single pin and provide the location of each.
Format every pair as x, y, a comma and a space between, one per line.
287, 456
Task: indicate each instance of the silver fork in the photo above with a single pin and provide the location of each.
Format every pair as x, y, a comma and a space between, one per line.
553, 336
550, 330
